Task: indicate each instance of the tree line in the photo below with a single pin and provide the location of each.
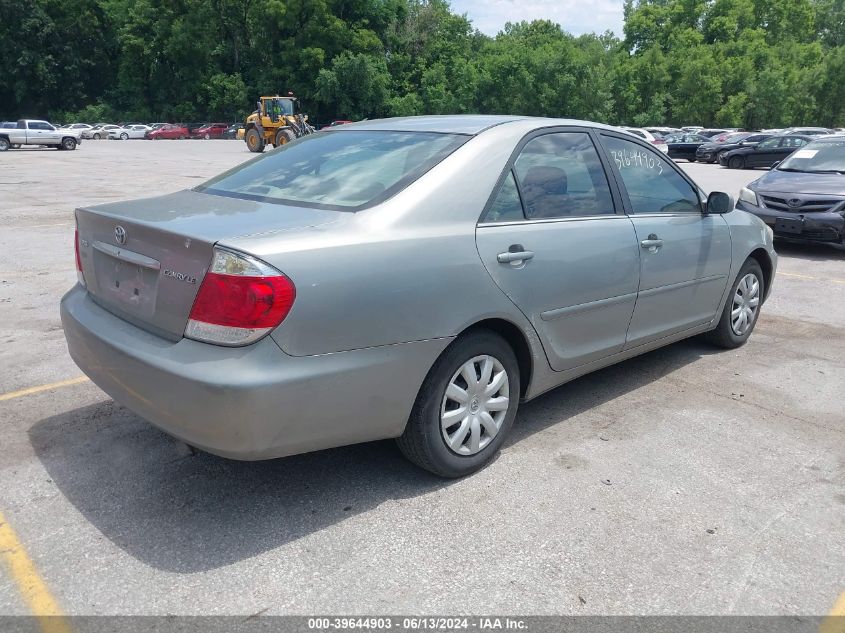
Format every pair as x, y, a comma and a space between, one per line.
733, 63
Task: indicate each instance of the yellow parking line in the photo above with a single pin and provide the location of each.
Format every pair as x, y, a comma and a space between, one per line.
836, 281
32, 588
835, 621
53, 385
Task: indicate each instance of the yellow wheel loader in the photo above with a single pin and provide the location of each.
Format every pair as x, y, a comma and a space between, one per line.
276, 121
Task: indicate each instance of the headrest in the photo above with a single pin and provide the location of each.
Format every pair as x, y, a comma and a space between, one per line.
552, 180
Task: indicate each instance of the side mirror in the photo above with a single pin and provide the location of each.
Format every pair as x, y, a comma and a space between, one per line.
774, 165
719, 203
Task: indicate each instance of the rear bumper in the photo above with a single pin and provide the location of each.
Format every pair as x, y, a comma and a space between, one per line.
819, 227
253, 402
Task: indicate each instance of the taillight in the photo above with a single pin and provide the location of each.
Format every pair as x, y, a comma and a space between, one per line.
240, 300
79, 275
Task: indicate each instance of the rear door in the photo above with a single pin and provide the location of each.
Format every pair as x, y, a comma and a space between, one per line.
551, 238
685, 256
788, 145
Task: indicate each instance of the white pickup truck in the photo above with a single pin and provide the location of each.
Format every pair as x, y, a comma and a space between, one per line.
32, 132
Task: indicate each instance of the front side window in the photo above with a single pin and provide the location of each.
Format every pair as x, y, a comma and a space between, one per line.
560, 175
337, 170
39, 125
653, 185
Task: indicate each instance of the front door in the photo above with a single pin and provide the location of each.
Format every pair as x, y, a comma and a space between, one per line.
766, 153
685, 256
553, 242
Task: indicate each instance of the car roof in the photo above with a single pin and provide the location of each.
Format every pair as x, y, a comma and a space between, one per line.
469, 124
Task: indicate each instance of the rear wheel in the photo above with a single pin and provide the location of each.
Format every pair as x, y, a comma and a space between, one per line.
283, 137
68, 143
465, 407
124, 136
4, 144
254, 141
742, 307
96, 137
736, 162
207, 136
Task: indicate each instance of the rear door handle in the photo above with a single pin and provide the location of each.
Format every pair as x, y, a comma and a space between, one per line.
652, 244
512, 257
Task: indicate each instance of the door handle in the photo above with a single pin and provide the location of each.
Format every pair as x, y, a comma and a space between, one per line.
652, 244
515, 254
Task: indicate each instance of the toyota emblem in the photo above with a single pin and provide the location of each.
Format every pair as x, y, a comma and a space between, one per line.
794, 202
120, 235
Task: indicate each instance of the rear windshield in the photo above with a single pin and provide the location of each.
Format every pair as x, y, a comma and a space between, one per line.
346, 170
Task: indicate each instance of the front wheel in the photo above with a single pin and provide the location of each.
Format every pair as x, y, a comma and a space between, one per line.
96, 137
254, 142
207, 136
465, 407
68, 143
124, 137
284, 137
742, 307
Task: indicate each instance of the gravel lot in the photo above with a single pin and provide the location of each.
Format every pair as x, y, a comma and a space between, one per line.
726, 491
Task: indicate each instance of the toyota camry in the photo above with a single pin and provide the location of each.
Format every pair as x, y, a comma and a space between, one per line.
412, 278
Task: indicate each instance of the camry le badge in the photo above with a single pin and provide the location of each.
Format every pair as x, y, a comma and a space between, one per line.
794, 202
120, 235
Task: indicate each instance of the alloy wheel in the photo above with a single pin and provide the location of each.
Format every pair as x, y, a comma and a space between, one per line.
746, 301
475, 405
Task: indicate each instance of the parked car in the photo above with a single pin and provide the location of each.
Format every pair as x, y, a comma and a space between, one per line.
99, 131
260, 315
764, 154
212, 130
79, 126
233, 130
663, 132
129, 131
804, 196
713, 132
35, 132
169, 131
710, 152
691, 128
685, 145
808, 131
658, 141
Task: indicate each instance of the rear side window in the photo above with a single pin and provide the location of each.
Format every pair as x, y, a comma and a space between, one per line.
793, 142
506, 206
337, 170
653, 186
560, 175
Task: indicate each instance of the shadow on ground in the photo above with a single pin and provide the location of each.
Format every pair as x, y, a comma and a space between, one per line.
813, 251
186, 513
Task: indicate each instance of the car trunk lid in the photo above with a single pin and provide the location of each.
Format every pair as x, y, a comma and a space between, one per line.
144, 260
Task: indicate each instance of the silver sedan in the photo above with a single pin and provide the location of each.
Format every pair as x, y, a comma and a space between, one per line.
409, 278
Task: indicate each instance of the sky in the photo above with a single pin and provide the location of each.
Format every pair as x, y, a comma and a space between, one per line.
575, 16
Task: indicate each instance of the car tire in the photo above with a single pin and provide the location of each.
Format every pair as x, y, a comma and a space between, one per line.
68, 143
124, 137
736, 162
692, 160
750, 295
96, 137
207, 136
16, 145
4, 144
283, 137
254, 141
472, 446
181, 137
